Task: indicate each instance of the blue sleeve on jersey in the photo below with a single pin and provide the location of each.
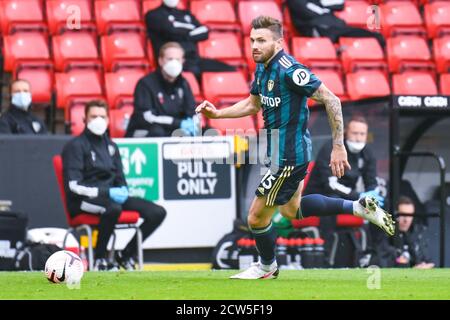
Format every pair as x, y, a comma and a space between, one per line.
301, 80
254, 89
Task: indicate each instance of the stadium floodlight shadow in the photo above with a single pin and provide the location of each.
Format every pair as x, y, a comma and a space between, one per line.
84, 222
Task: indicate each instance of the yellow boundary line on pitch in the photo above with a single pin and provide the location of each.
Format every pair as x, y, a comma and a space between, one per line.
178, 267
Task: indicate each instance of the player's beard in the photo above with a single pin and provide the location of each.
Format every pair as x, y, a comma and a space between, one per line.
265, 56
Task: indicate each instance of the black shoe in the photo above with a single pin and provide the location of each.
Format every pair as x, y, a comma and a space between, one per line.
125, 262
103, 265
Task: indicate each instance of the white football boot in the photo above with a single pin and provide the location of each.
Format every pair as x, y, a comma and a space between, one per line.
368, 208
256, 271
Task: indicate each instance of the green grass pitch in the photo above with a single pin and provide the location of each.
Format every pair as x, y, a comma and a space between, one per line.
314, 284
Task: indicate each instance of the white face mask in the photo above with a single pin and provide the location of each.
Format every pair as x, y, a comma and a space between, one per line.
355, 147
173, 68
97, 126
21, 100
171, 3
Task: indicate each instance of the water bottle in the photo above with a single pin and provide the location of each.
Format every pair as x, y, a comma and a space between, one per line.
319, 253
307, 253
281, 252
298, 256
294, 254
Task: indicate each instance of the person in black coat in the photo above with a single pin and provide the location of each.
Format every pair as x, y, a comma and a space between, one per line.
19, 119
315, 18
408, 247
167, 23
94, 183
163, 100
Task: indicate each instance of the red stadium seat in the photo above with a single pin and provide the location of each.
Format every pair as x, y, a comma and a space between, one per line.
408, 52
222, 46
333, 80
118, 121
306, 222
348, 221
361, 53
217, 15
367, 84
25, 47
400, 17
83, 222
315, 52
236, 126
77, 83
437, 18
193, 84
123, 49
414, 83
445, 84
59, 11
119, 86
355, 13
441, 49
111, 14
75, 49
76, 119
148, 5
18, 15
41, 82
248, 10
224, 87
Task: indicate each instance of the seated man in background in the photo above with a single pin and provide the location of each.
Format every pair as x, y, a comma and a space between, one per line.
94, 183
407, 248
163, 100
363, 166
315, 18
167, 23
19, 119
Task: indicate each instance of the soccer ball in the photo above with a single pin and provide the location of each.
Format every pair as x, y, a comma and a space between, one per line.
64, 266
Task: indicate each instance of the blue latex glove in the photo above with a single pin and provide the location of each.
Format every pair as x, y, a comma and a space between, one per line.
188, 126
119, 195
375, 194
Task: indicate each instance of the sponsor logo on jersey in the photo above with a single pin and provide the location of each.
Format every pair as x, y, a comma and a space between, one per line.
270, 101
301, 77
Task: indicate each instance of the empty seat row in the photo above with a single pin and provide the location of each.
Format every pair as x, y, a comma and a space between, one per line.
119, 49
403, 53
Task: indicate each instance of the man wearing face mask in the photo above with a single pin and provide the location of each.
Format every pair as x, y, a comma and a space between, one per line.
163, 100
19, 119
363, 165
361, 159
94, 183
167, 23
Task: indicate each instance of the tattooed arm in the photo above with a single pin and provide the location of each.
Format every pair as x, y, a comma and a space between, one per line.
338, 160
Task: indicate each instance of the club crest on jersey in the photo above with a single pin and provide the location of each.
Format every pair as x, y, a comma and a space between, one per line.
270, 85
93, 156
